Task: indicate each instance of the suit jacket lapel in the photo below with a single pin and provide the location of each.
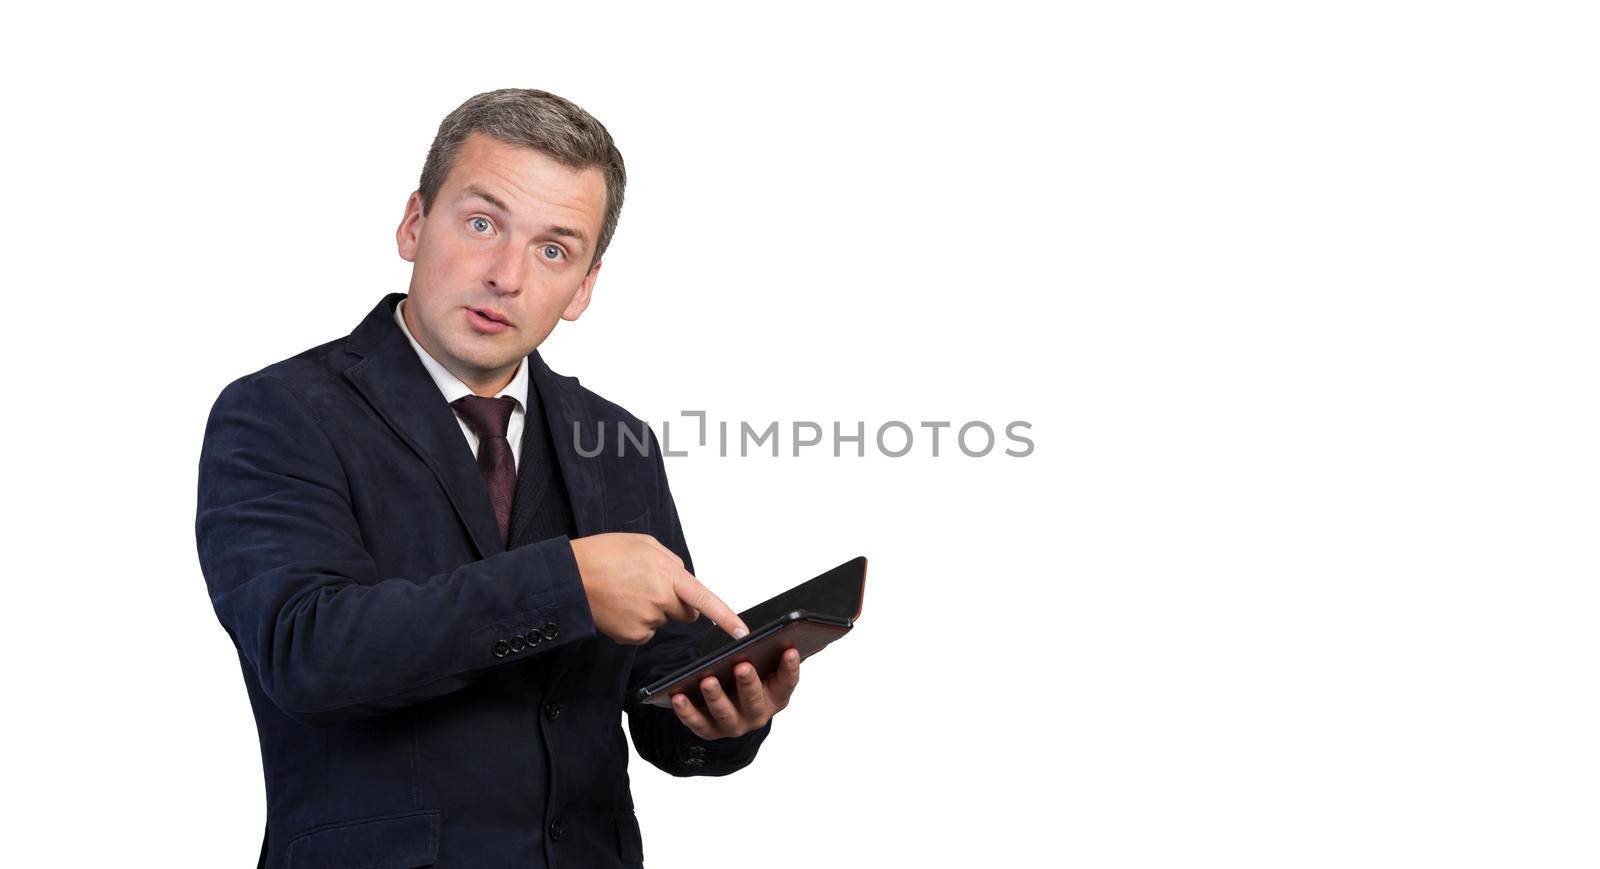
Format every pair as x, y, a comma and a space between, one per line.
391, 377
563, 408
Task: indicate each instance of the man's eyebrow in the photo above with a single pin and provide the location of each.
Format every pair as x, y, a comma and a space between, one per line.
554, 229
567, 232
475, 190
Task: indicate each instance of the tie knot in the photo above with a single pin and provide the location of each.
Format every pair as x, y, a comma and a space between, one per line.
487, 417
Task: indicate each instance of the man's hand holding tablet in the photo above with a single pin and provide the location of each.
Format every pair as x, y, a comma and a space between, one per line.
634, 584
759, 700
742, 681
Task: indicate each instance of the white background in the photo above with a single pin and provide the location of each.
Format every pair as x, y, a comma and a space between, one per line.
1299, 301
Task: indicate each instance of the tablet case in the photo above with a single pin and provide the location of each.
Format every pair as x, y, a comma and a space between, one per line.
838, 593
813, 613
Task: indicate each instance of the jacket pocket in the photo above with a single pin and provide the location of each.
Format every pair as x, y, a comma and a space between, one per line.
630, 845
400, 841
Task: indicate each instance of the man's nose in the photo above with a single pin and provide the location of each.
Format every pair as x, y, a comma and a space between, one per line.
506, 269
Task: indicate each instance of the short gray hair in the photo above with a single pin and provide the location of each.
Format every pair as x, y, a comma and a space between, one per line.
533, 119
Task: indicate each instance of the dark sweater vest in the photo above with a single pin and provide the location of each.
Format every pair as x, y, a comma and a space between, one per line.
540, 509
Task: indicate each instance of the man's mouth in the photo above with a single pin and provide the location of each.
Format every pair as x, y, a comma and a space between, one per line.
490, 314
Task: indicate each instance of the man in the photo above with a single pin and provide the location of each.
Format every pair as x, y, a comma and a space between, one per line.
440, 606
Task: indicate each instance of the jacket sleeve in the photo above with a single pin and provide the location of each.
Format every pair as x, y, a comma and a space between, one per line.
658, 735
327, 637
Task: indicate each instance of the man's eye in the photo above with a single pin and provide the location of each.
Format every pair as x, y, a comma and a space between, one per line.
551, 252
480, 224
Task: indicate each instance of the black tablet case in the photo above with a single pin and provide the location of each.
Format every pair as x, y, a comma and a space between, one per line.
837, 593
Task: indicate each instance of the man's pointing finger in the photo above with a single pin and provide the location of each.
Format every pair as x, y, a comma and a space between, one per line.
693, 593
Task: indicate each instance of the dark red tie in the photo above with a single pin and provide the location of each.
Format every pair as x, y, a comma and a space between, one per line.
488, 418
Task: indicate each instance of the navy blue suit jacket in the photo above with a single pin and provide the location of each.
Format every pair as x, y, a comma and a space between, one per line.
425, 695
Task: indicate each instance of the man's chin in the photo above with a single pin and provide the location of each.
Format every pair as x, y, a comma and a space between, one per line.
489, 365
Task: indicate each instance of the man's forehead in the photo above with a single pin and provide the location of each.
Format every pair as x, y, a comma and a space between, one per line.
489, 162
506, 175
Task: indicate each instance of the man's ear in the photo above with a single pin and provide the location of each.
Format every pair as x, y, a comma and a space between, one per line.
410, 229
580, 299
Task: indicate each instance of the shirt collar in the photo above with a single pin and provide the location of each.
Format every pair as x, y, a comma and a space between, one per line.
451, 385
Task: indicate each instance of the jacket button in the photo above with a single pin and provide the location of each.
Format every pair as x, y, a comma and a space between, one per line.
555, 831
552, 710
500, 648
697, 750
534, 638
550, 630
695, 761
516, 643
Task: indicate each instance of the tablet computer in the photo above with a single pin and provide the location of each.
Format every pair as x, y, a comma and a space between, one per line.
806, 618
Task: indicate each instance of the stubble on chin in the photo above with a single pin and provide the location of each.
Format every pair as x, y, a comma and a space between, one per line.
487, 361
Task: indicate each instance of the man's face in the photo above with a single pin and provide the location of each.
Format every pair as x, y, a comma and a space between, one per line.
503, 252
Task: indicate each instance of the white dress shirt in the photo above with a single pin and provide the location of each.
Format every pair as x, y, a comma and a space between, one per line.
453, 388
